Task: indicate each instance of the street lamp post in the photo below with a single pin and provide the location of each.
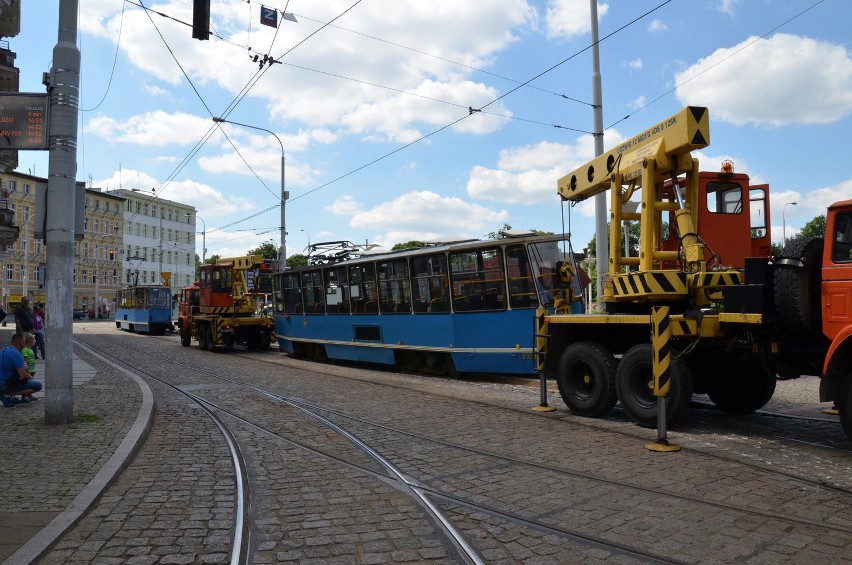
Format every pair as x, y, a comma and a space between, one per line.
309, 243
282, 251
203, 236
784, 223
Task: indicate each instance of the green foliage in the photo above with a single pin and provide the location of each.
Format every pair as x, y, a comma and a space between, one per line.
408, 245
297, 260
267, 249
497, 234
814, 228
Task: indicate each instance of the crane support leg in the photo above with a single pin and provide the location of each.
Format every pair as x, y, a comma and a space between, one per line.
661, 332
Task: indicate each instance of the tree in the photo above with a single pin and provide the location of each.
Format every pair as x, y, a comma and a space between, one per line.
814, 228
408, 245
297, 260
267, 249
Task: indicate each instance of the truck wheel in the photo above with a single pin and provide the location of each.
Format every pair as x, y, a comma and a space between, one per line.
742, 388
185, 338
211, 339
634, 381
202, 337
844, 404
797, 287
586, 379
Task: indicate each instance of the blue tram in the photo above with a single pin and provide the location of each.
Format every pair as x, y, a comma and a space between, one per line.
462, 307
144, 309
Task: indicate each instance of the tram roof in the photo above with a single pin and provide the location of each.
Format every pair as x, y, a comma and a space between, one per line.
373, 254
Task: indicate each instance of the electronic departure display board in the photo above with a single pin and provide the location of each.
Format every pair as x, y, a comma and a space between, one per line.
23, 121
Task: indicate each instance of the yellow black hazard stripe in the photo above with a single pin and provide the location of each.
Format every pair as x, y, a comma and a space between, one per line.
715, 279
650, 283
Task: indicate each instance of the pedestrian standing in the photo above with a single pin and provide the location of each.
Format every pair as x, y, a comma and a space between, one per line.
38, 331
24, 317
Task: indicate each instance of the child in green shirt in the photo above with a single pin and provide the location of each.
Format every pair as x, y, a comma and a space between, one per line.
29, 359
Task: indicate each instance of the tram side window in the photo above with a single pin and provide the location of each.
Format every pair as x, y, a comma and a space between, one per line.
336, 290
522, 292
287, 293
547, 257
362, 289
313, 292
160, 298
394, 287
477, 280
430, 284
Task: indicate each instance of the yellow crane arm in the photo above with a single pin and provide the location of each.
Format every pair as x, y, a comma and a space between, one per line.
675, 136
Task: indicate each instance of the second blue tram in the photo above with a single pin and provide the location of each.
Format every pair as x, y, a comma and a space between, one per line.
466, 307
144, 309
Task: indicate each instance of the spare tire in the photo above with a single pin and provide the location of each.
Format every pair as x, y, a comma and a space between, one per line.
797, 287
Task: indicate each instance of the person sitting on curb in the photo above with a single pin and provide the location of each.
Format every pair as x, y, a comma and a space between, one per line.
14, 377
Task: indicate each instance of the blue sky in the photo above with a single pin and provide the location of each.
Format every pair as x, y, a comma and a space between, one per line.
373, 110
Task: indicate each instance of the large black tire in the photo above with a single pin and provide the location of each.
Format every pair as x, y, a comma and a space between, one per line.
844, 405
634, 381
797, 287
741, 387
185, 338
202, 336
586, 379
211, 340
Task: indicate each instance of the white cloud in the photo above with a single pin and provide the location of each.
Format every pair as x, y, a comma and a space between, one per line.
153, 128
635, 64
727, 6
656, 27
210, 202
567, 18
528, 175
420, 215
786, 79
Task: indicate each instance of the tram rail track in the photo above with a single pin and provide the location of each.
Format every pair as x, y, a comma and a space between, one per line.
565, 474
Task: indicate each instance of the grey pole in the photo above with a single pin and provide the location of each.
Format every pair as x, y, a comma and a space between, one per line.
601, 236
64, 91
282, 250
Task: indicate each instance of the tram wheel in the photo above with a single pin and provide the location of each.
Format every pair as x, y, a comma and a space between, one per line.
586, 379
634, 380
202, 336
742, 388
185, 338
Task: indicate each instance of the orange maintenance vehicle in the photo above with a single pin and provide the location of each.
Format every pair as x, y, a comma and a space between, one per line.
702, 306
223, 308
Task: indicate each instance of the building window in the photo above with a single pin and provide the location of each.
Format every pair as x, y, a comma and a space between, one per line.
26, 214
26, 188
85, 276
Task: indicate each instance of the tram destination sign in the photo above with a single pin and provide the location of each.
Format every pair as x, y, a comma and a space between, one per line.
23, 121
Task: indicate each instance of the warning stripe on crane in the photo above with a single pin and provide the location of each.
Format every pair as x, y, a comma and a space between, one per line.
715, 279
661, 332
649, 284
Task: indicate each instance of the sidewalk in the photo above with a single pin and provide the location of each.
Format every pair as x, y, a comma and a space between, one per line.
53, 473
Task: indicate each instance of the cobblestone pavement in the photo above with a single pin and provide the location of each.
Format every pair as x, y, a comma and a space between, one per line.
521, 487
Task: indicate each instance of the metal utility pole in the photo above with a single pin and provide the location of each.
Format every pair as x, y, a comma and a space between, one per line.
601, 236
282, 251
64, 89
